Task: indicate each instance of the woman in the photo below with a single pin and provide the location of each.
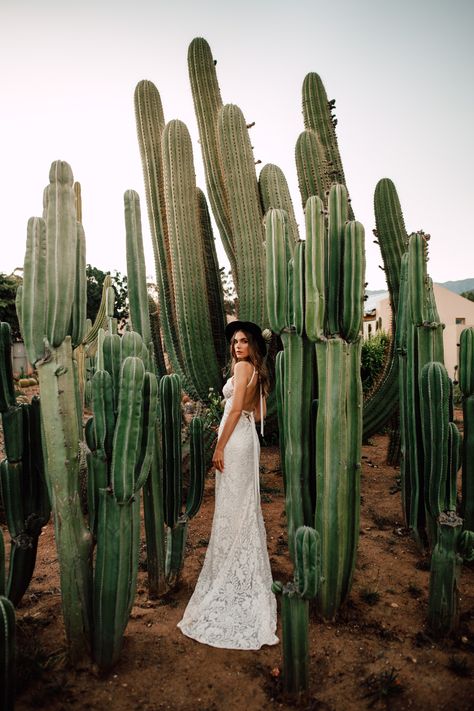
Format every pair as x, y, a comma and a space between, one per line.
232, 605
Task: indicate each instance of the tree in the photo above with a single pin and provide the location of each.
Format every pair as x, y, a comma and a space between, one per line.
468, 295
95, 280
8, 286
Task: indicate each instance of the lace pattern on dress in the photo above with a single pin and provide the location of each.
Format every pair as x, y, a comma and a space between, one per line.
232, 605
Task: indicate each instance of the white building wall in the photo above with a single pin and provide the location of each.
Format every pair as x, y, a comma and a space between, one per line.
452, 309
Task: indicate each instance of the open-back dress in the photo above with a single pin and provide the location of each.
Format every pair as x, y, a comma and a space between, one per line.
232, 605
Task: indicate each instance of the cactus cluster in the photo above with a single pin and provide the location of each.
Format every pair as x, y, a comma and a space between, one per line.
315, 299
121, 437
22, 481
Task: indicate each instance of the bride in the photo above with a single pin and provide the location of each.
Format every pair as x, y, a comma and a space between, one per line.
232, 605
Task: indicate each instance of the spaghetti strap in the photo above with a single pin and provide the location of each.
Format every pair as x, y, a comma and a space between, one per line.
254, 371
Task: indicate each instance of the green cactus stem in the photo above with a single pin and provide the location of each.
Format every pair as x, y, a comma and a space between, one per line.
443, 600
7, 655
419, 342
175, 518
123, 442
466, 384
295, 598
382, 401
22, 483
61, 454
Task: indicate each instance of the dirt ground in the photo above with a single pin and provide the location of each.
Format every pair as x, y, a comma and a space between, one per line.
377, 654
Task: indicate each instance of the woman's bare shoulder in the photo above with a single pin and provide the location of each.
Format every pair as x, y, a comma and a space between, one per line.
243, 368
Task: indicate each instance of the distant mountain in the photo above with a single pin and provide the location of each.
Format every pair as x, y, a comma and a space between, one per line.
458, 286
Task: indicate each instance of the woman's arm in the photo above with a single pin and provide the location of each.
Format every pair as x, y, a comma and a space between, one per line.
242, 373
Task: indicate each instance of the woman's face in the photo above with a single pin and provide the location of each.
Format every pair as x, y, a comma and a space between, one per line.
240, 343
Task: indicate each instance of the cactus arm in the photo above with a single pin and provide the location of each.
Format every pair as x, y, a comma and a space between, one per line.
315, 277
110, 353
188, 265
170, 396
213, 282
136, 274
150, 410
337, 217
127, 434
79, 305
2, 564
238, 168
317, 117
443, 596
34, 291
276, 229
197, 468
7, 388
308, 561
100, 320
274, 193
311, 167
207, 104
331, 469
454, 462
353, 281
61, 233
103, 406
466, 383
150, 126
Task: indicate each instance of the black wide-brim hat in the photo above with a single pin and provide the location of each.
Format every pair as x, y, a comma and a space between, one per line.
249, 327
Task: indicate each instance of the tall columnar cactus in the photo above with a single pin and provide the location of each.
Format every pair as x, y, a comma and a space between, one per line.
184, 248
466, 383
121, 438
419, 341
441, 450
441, 445
22, 483
382, 401
175, 518
235, 196
328, 310
141, 323
295, 598
285, 277
334, 299
47, 305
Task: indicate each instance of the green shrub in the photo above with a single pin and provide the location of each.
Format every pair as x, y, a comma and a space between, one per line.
374, 353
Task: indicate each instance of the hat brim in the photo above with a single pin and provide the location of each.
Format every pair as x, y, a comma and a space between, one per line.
250, 327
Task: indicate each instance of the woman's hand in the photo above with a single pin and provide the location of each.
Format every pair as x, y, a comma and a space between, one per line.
218, 459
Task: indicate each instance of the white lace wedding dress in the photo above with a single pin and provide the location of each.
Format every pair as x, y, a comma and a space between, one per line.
232, 605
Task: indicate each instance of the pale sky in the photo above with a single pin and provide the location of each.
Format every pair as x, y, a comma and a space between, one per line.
401, 73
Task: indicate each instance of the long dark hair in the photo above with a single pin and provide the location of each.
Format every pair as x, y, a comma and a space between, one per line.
256, 358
